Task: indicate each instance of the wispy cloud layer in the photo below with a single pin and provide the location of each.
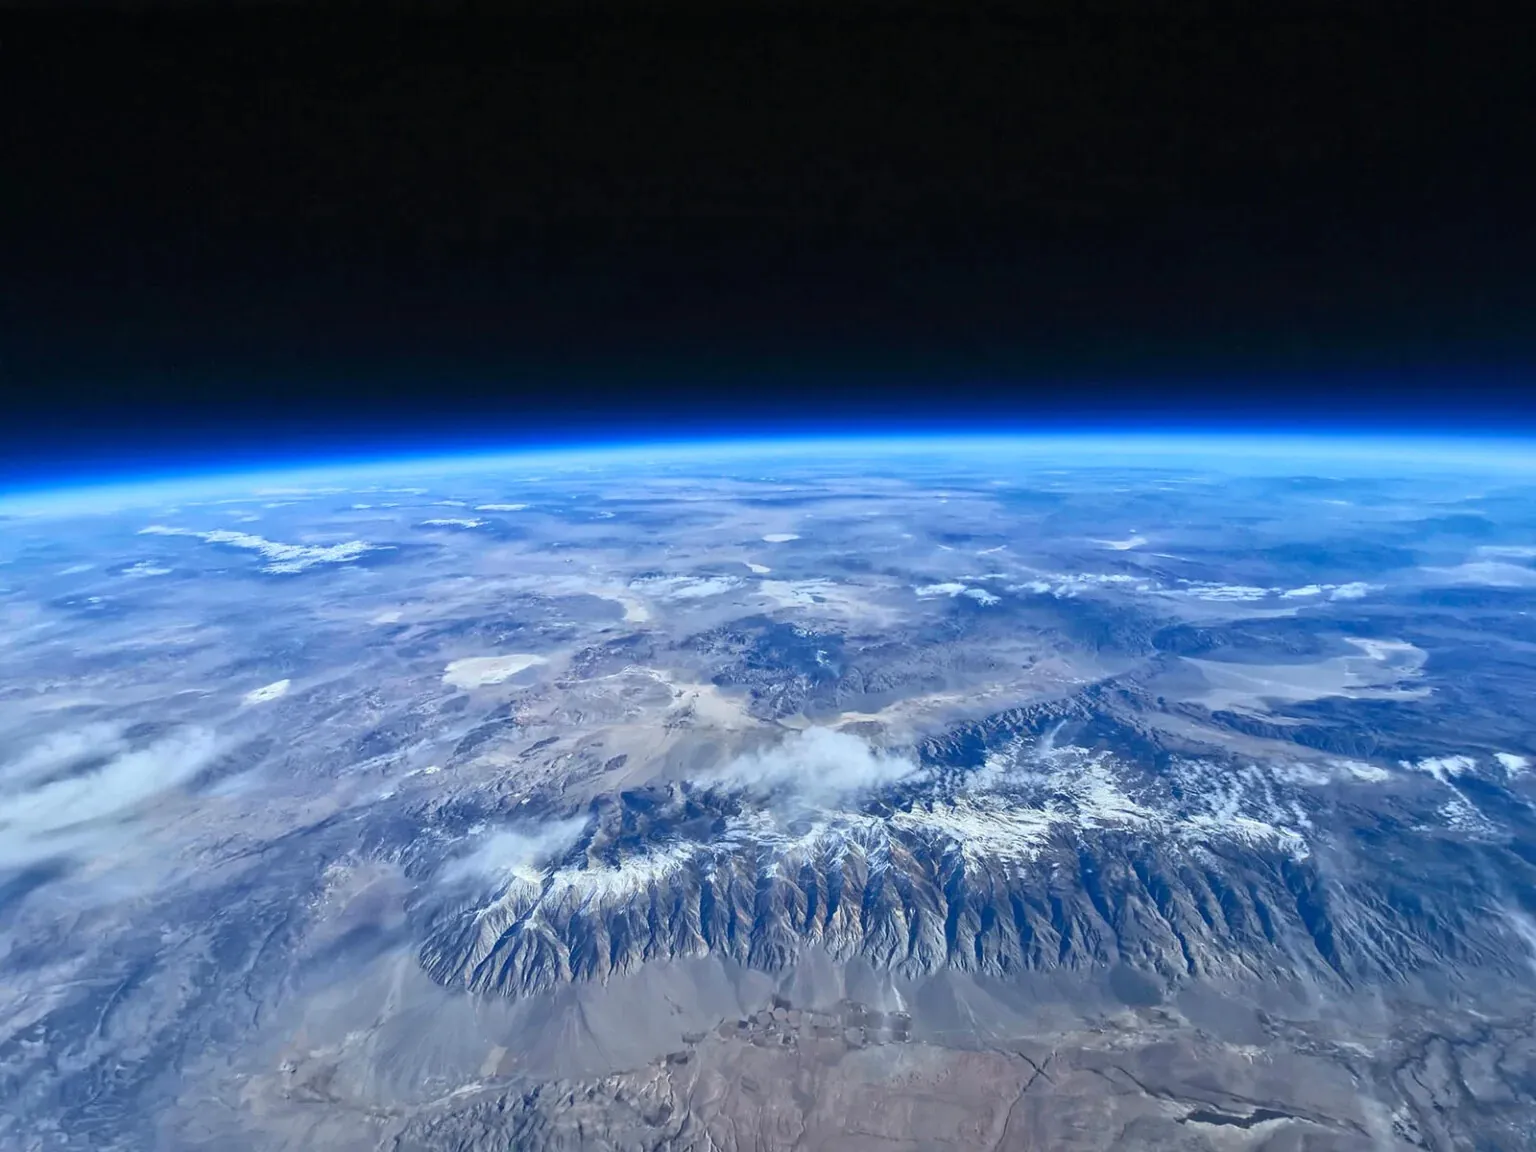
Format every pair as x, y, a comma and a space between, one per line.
818, 765
280, 557
49, 814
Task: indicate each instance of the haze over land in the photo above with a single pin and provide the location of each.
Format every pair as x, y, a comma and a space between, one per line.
996, 793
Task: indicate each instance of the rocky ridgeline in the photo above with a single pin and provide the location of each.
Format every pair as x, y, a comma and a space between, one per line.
981, 883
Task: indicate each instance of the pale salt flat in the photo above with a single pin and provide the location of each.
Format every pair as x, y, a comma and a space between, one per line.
684, 587
268, 692
481, 671
1378, 673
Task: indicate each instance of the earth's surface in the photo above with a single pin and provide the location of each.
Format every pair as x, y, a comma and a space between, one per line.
969, 796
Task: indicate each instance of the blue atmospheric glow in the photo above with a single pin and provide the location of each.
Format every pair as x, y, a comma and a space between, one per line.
1245, 452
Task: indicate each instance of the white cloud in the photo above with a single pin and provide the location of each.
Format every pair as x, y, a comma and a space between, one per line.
818, 765
1361, 770
1212, 590
451, 522
1353, 591
1298, 593
54, 818
1123, 545
980, 595
1509, 551
521, 852
1064, 586
757, 569
285, 558
500, 507
144, 568
781, 537
58, 750
949, 589
1490, 573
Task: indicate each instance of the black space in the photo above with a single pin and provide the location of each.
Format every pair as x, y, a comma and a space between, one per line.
287, 224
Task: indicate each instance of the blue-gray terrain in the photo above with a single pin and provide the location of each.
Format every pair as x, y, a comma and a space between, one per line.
977, 795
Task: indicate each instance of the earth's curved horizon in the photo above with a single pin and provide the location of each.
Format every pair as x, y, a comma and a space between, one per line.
998, 790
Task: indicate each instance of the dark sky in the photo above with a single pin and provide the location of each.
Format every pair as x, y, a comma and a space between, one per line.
286, 224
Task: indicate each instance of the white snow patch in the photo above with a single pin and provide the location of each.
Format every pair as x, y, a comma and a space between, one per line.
481, 671
1514, 765
1461, 815
1442, 768
981, 829
636, 874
